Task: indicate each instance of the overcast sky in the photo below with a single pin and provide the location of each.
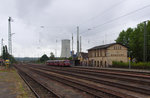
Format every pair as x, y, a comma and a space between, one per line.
37, 24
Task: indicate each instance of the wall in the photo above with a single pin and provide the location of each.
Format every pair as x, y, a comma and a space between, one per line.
104, 57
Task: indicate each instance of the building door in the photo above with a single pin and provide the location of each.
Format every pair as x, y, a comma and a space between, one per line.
101, 64
105, 64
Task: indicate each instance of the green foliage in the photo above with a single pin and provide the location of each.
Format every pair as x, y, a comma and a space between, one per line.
133, 38
70, 58
52, 57
120, 64
12, 59
6, 55
140, 65
43, 58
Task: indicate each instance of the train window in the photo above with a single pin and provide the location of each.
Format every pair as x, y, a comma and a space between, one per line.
67, 62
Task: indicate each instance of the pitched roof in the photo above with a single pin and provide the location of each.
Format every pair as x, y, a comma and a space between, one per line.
84, 55
104, 46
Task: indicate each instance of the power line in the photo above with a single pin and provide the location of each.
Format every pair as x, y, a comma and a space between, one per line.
122, 16
132, 12
105, 11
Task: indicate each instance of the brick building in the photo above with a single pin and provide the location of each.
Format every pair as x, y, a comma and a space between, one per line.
102, 56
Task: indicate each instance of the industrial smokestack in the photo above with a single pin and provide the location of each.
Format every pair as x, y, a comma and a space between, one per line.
80, 45
72, 42
65, 48
77, 41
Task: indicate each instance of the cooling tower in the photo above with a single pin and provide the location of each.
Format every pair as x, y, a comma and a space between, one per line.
65, 48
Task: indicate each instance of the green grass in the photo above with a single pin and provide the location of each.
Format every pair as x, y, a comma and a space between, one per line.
139, 65
7, 70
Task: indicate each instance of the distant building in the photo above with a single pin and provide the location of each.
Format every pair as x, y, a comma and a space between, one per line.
83, 57
65, 48
104, 55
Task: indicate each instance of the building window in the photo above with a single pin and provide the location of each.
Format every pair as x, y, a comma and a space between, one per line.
93, 54
98, 53
115, 47
98, 63
105, 63
101, 63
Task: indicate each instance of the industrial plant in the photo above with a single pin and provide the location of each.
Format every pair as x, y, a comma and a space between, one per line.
65, 48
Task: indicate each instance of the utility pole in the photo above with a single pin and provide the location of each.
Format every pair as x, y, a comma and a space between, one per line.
129, 60
9, 36
72, 42
72, 53
80, 45
2, 46
145, 43
105, 38
56, 49
77, 41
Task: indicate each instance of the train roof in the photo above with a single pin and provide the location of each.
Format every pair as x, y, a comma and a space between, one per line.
55, 60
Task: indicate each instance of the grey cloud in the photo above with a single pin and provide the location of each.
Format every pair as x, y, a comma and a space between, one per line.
31, 8
60, 18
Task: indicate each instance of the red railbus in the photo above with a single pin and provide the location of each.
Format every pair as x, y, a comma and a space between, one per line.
58, 63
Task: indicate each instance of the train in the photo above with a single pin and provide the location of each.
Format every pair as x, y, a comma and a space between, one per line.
61, 63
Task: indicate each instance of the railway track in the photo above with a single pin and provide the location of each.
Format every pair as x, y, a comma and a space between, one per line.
132, 77
84, 87
107, 81
37, 87
137, 71
120, 84
97, 83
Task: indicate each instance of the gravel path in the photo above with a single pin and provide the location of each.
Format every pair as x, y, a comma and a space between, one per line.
12, 86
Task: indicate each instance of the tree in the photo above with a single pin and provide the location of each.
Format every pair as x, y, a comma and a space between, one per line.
6, 55
133, 38
124, 37
52, 56
148, 42
44, 58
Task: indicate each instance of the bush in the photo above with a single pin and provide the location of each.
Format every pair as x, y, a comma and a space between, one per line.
139, 65
119, 64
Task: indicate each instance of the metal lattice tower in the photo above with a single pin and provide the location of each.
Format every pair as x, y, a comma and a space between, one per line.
9, 36
2, 46
72, 42
77, 41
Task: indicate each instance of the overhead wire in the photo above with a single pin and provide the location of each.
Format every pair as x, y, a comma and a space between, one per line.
132, 12
105, 11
